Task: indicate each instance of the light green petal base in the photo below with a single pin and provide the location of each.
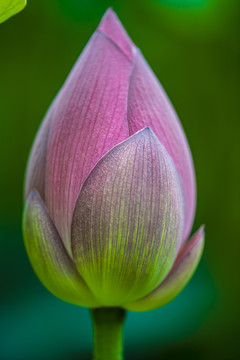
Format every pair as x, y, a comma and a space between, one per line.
48, 256
182, 271
9, 8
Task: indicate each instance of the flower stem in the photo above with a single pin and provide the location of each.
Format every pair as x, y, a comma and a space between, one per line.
107, 333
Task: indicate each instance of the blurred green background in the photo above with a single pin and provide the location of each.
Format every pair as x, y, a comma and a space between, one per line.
193, 47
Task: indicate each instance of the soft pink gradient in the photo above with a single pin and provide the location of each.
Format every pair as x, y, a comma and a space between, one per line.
110, 94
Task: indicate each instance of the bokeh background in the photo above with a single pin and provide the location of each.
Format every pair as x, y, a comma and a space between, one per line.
193, 47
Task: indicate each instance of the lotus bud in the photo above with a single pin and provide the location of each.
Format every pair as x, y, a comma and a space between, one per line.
110, 184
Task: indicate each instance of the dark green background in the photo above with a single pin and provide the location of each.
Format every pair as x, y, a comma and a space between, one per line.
193, 47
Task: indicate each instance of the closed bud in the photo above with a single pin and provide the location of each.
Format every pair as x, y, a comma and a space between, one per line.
110, 184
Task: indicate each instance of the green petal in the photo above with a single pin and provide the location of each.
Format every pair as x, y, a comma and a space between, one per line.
9, 8
48, 257
128, 221
182, 271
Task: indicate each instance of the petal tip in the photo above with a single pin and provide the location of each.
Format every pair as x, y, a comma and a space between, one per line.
33, 196
199, 235
196, 243
148, 131
111, 27
144, 131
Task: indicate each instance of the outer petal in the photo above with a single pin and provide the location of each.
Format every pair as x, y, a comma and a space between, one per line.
149, 106
90, 117
35, 175
128, 221
182, 271
48, 256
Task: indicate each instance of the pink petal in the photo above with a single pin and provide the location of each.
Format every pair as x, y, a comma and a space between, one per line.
149, 106
113, 30
35, 175
180, 274
90, 117
91, 114
128, 221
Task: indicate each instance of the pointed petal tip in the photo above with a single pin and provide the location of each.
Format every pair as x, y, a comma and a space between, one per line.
202, 229
198, 237
148, 131
110, 23
200, 234
109, 13
196, 242
33, 195
34, 198
144, 131
111, 27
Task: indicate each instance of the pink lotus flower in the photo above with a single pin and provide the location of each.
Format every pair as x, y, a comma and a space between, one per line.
110, 184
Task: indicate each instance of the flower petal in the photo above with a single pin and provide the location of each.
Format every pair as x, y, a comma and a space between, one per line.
149, 105
48, 256
35, 175
90, 117
128, 220
178, 277
112, 28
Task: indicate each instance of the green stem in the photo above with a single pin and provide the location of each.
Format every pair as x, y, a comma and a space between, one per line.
107, 333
